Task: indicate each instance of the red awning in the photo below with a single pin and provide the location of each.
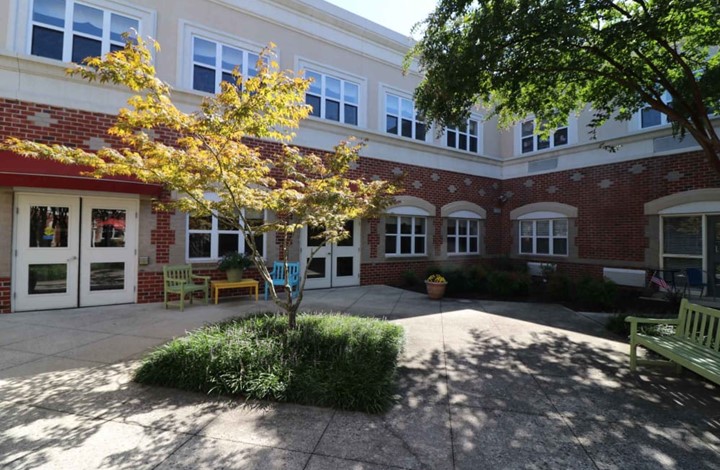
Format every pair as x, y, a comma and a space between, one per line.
18, 171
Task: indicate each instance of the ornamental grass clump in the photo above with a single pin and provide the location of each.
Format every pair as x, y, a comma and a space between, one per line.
333, 360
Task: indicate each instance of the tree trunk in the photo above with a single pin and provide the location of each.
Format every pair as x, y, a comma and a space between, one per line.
292, 316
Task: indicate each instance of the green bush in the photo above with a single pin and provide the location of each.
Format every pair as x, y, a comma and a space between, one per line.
597, 294
505, 263
559, 287
329, 360
508, 283
410, 278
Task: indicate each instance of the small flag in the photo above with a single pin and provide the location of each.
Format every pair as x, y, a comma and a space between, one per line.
655, 279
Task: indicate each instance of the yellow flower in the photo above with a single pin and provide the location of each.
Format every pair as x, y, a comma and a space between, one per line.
436, 278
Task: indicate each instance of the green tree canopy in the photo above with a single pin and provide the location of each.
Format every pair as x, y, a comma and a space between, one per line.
553, 57
215, 150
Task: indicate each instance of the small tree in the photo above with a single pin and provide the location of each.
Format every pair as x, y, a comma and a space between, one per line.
550, 58
212, 152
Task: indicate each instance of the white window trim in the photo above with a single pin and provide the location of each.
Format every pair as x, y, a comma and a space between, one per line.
703, 233
214, 233
302, 63
550, 236
572, 127
480, 132
457, 220
382, 100
412, 235
187, 31
636, 121
146, 24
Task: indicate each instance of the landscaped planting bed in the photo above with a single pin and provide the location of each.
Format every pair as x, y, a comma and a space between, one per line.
337, 361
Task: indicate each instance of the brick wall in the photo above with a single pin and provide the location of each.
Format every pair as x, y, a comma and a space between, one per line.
611, 223
610, 199
4, 295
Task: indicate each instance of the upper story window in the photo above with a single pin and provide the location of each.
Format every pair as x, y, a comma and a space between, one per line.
333, 98
402, 119
651, 117
209, 238
465, 137
214, 62
544, 237
71, 31
531, 142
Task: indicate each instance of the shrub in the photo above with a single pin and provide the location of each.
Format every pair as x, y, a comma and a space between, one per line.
410, 278
329, 360
559, 287
508, 284
597, 294
505, 263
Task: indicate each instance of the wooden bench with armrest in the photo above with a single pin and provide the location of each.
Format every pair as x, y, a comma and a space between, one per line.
695, 344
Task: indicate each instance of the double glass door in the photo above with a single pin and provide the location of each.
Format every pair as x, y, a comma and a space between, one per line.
334, 265
74, 252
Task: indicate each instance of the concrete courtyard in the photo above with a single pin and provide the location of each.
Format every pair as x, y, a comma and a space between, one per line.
482, 384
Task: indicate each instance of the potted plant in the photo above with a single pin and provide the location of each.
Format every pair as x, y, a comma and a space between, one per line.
234, 264
435, 285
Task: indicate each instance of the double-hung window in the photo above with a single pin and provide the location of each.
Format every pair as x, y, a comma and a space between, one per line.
544, 237
530, 142
464, 137
463, 236
333, 98
401, 118
650, 117
405, 235
71, 31
214, 62
210, 237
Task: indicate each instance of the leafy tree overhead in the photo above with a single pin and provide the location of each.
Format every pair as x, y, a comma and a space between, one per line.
215, 151
553, 57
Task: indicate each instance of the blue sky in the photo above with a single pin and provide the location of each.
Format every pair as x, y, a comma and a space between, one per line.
398, 15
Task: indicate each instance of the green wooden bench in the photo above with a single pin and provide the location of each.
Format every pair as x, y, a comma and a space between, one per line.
695, 344
180, 280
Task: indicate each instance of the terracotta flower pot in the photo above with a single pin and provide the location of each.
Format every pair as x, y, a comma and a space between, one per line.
435, 290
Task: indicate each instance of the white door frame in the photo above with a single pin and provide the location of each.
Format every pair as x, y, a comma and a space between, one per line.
332, 253
25, 255
91, 254
77, 256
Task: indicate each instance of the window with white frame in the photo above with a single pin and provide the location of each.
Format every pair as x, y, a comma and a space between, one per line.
401, 118
544, 237
210, 237
530, 142
213, 62
333, 98
71, 31
405, 235
463, 236
465, 137
682, 245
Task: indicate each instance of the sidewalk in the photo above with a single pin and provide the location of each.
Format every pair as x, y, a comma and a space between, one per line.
482, 385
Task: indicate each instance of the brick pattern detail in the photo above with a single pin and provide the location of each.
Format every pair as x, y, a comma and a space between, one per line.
611, 223
5, 289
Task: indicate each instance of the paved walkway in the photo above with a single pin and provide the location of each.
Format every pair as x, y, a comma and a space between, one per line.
483, 385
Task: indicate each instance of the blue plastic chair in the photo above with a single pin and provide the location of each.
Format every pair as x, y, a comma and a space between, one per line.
695, 279
278, 277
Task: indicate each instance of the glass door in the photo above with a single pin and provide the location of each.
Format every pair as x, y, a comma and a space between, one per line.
47, 252
109, 251
333, 265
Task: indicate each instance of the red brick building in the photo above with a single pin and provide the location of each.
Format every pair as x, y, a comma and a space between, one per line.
470, 193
